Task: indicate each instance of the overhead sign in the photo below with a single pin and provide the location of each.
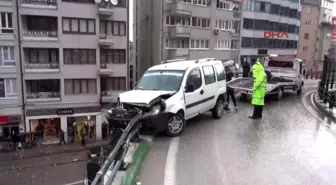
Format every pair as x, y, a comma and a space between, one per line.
65, 111
275, 35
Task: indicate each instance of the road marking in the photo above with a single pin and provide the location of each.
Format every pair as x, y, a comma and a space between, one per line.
170, 175
75, 183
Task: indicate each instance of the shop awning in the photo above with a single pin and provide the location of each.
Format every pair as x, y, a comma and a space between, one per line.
3, 120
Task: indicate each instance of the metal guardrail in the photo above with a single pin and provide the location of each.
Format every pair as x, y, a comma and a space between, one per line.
114, 160
327, 86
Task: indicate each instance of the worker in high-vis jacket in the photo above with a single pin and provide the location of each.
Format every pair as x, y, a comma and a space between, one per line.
259, 89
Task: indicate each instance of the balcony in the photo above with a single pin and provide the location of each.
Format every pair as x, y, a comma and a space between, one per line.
42, 4
105, 8
180, 32
105, 39
43, 90
109, 96
179, 8
177, 53
39, 28
42, 67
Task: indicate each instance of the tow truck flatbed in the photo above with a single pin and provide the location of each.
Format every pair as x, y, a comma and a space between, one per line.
244, 85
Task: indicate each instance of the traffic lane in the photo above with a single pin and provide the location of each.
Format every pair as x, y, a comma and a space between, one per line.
286, 147
44, 160
45, 175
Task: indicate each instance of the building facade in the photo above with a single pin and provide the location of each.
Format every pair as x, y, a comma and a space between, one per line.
269, 27
316, 32
11, 109
190, 29
73, 62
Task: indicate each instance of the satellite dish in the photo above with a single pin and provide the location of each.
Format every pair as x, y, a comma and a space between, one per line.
114, 2
97, 1
106, 0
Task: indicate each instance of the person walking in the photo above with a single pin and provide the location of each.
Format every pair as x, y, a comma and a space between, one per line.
229, 90
61, 136
246, 69
259, 90
83, 136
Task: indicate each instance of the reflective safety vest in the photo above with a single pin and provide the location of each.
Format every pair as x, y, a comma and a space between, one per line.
259, 84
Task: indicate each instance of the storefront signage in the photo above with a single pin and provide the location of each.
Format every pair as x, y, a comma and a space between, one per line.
3, 120
275, 35
334, 21
65, 111
10, 119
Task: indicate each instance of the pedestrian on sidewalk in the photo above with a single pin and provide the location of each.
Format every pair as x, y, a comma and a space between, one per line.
246, 69
229, 91
61, 136
259, 89
83, 136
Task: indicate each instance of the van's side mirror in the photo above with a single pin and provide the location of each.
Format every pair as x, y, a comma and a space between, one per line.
189, 88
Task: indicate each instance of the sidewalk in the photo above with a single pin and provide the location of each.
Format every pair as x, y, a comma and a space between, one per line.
324, 107
50, 150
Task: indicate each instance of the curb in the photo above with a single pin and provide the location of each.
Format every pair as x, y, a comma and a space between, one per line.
320, 107
139, 156
47, 154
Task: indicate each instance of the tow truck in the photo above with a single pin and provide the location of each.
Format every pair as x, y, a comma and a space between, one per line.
283, 73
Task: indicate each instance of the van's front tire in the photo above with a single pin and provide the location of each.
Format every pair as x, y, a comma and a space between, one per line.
175, 125
218, 110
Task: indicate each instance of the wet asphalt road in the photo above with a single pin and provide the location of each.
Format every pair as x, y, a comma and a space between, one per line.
57, 169
289, 146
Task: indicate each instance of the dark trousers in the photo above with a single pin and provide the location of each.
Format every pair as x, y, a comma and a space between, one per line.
257, 111
83, 141
230, 94
62, 140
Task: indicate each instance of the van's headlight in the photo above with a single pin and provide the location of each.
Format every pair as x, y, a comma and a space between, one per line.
158, 108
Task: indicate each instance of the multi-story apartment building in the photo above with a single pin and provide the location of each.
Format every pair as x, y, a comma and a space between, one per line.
11, 110
316, 32
169, 29
269, 27
74, 56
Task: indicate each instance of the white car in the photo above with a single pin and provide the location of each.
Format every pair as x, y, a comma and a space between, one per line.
187, 88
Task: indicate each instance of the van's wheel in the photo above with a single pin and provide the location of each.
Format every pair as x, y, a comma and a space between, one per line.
175, 125
218, 110
279, 93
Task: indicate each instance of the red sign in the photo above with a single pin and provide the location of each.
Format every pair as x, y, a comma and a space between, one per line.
3, 120
277, 35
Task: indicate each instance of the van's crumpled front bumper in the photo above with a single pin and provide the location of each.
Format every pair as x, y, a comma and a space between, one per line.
119, 118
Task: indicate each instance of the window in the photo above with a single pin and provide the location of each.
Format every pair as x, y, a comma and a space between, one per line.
80, 86
7, 56
306, 36
201, 2
177, 43
220, 72
234, 44
307, 23
194, 79
113, 84
284, 64
79, 25
8, 87
209, 75
41, 55
119, 28
112, 56
225, 5
79, 56
200, 22
223, 45
178, 21
304, 48
199, 44
224, 25
268, 43
6, 23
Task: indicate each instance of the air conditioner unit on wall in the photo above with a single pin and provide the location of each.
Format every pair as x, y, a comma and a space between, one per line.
216, 31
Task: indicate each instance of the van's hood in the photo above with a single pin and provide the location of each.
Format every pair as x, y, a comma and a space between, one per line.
142, 96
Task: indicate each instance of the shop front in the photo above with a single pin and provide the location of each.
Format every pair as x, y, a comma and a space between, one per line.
69, 120
10, 124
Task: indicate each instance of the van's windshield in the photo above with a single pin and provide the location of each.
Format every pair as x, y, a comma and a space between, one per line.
161, 80
283, 64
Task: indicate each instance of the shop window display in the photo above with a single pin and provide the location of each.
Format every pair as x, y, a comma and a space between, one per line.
46, 129
77, 124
